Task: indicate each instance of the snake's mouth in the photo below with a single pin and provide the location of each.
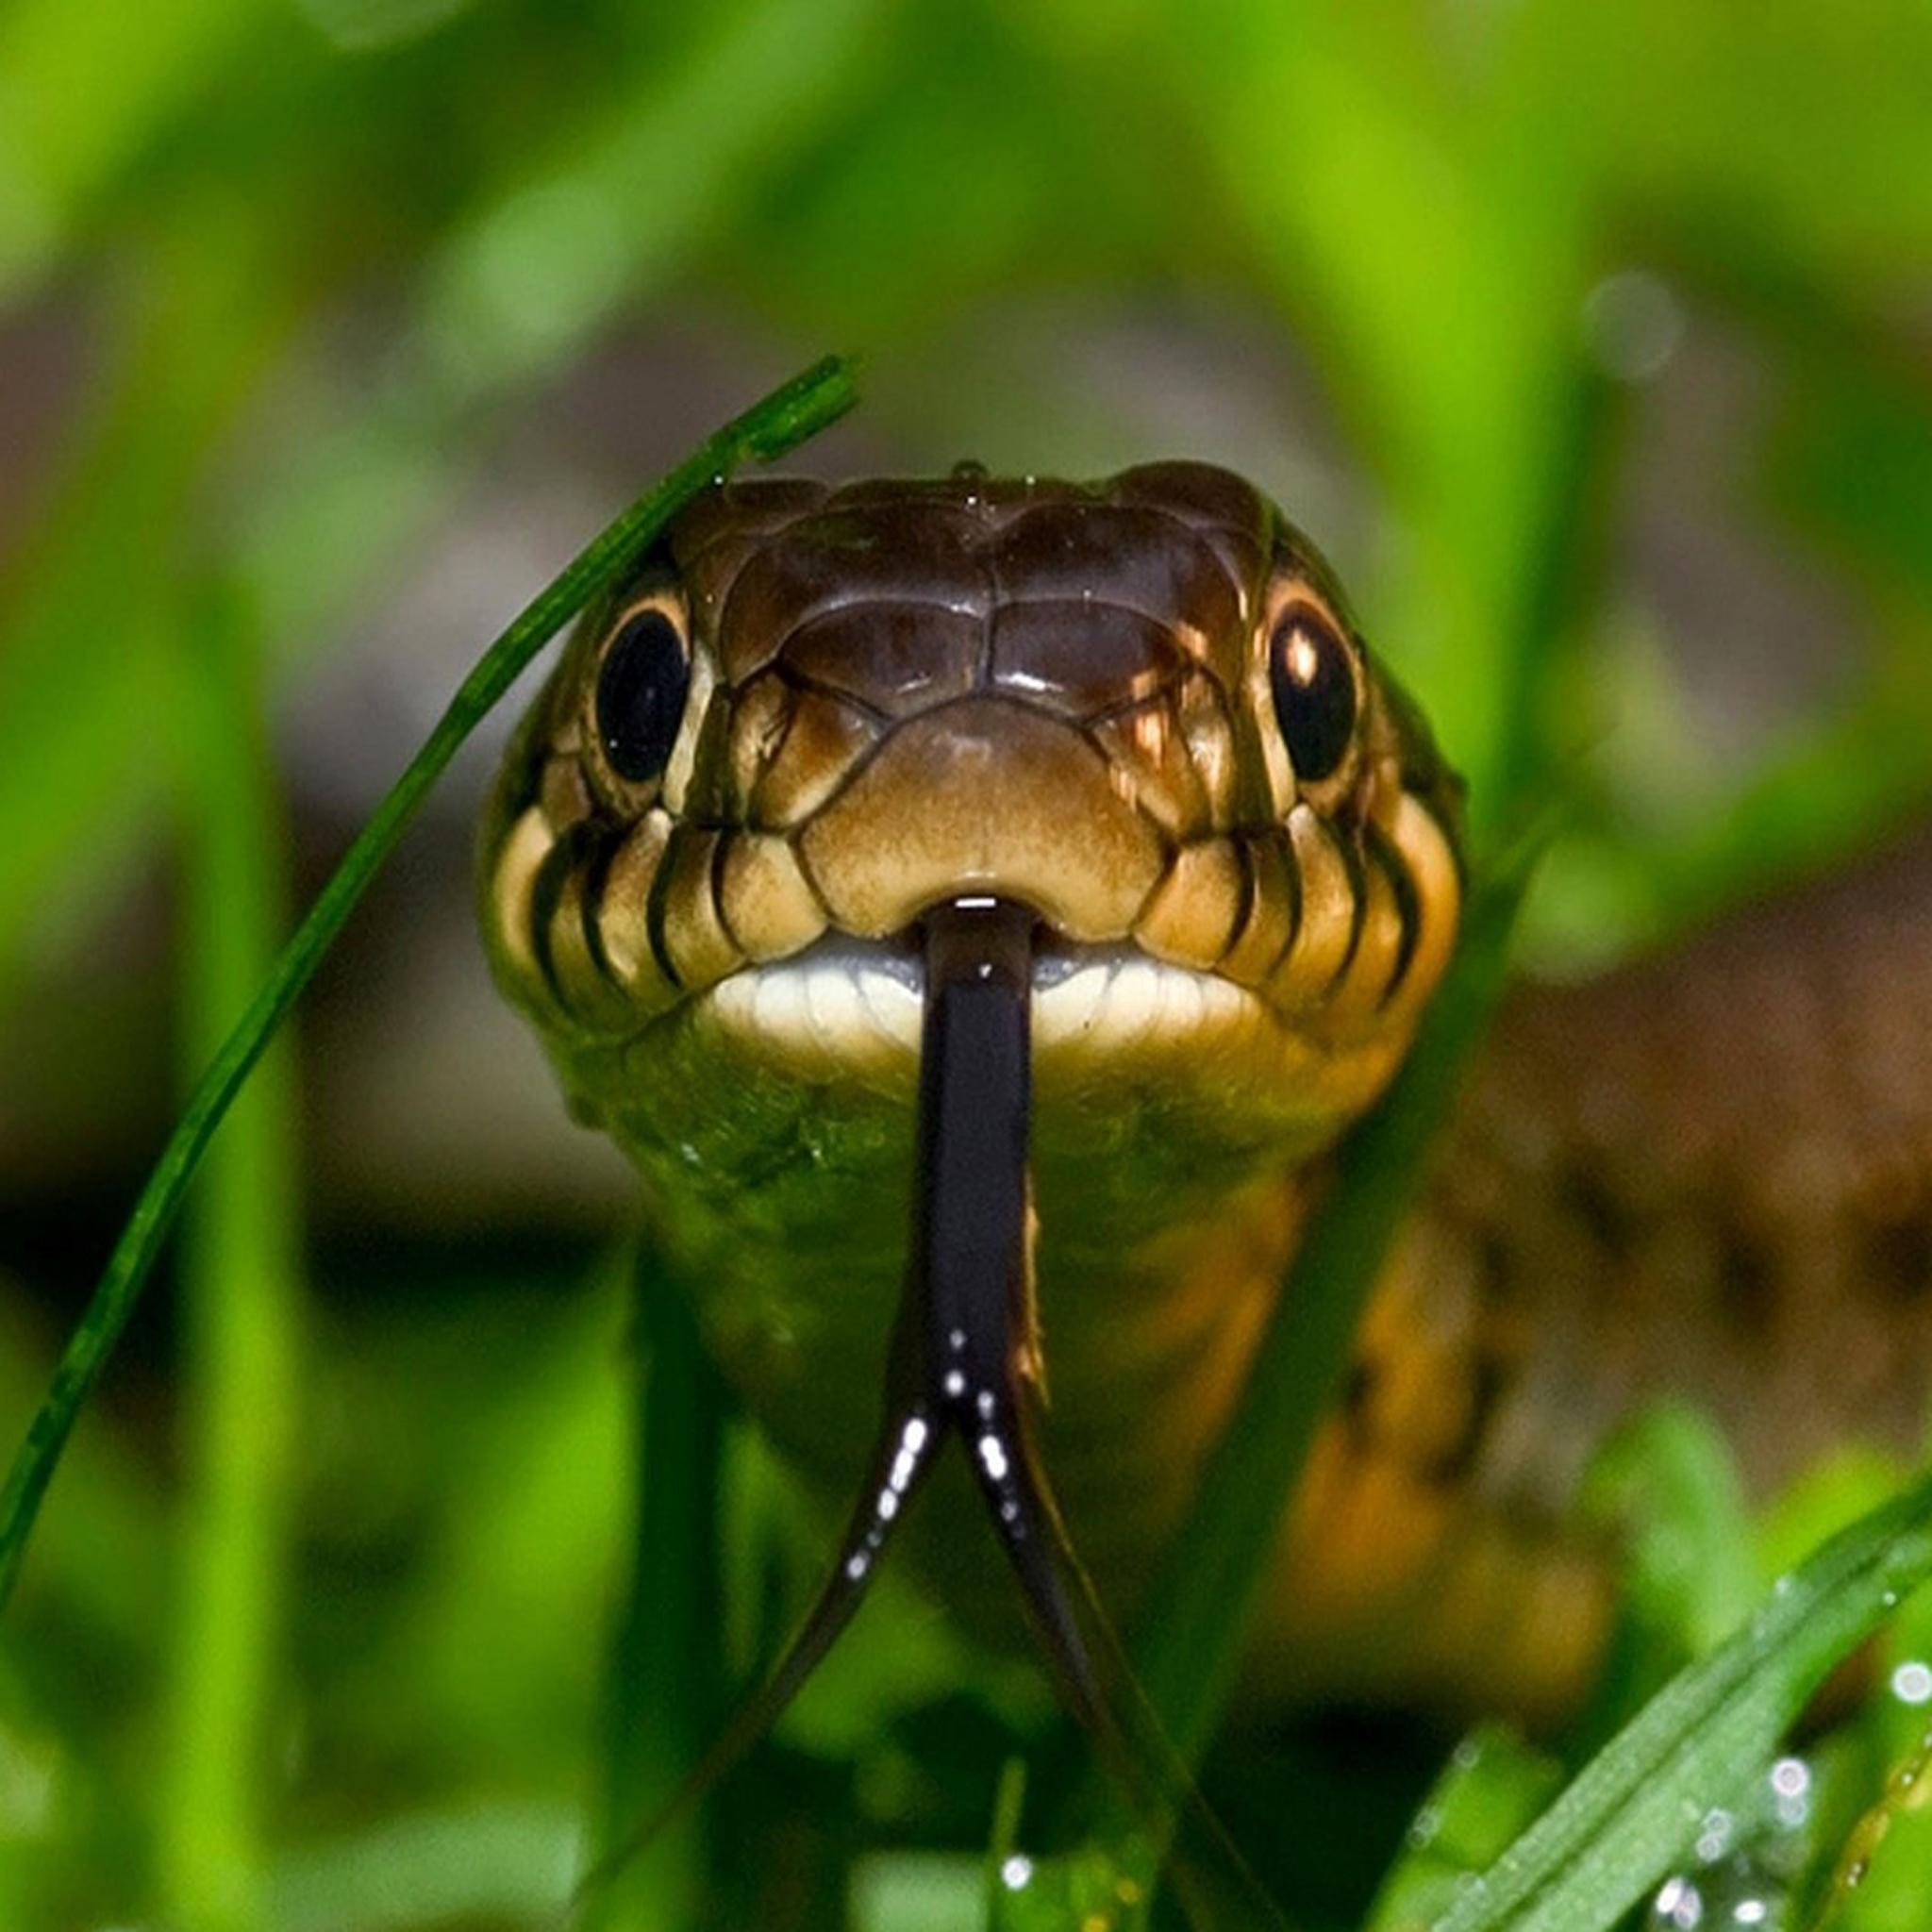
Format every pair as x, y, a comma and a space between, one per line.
845, 998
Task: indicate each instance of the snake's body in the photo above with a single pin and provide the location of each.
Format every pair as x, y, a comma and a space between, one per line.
1700, 1177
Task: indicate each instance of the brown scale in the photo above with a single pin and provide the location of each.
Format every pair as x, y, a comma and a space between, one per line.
1710, 1173
1706, 1176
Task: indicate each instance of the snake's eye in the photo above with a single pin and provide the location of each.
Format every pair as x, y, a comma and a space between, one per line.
640, 693
1312, 673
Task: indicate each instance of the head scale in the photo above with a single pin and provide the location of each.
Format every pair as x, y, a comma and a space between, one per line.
1138, 706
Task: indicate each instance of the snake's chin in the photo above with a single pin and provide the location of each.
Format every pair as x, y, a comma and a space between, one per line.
848, 999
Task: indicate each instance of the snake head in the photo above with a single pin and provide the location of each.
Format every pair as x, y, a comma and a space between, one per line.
1138, 706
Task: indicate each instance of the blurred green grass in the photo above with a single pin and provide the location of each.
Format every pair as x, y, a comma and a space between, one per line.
241, 1400
318, 259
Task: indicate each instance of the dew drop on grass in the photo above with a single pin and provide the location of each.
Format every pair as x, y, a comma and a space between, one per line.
1678, 1907
1911, 1682
1714, 1836
1791, 1792
1737, 1892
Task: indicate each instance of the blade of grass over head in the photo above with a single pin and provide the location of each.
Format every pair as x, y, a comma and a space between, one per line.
1636, 1806
793, 412
217, 328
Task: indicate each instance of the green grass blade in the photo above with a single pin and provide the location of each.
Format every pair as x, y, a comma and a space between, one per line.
1494, 1787
1630, 1814
1193, 1626
242, 1309
1195, 1620
1665, 1491
788, 416
665, 1678
108, 555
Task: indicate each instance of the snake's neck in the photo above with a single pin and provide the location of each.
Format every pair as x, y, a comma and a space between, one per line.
1162, 1228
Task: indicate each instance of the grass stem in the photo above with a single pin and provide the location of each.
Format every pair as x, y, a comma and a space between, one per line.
1195, 1620
786, 417
664, 1679
241, 1313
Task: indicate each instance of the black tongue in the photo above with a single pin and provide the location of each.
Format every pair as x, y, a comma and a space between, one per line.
968, 1289
962, 1339
967, 1355
961, 1356
963, 1359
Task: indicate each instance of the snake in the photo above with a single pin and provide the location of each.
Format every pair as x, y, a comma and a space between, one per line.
1137, 717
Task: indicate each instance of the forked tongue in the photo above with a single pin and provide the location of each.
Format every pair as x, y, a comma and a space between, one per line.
964, 1361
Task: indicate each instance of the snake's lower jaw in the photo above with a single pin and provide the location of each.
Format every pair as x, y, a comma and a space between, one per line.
1121, 1043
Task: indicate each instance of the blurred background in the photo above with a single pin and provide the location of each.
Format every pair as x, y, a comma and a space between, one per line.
329, 329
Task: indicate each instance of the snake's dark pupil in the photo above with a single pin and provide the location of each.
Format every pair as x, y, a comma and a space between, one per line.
640, 693
1314, 695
